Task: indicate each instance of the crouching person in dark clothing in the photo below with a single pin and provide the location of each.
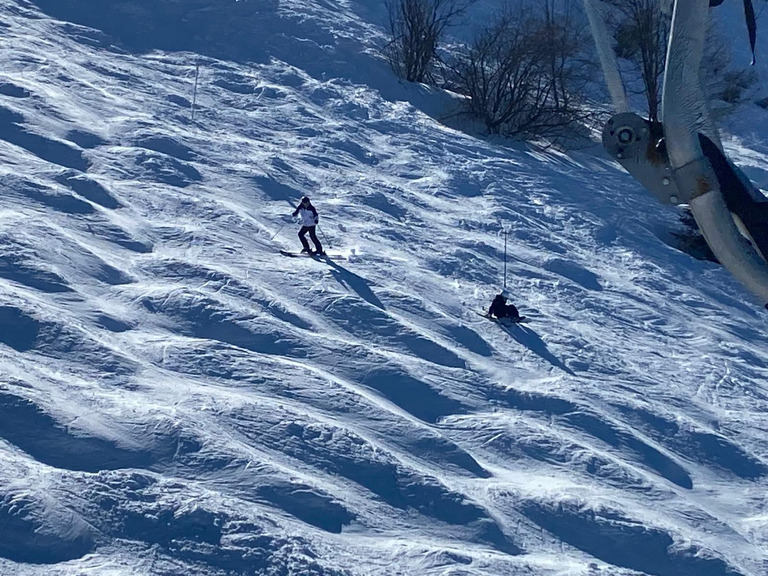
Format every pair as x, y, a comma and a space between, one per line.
500, 309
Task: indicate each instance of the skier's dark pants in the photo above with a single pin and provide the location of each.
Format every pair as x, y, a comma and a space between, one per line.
312, 235
507, 311
512, 311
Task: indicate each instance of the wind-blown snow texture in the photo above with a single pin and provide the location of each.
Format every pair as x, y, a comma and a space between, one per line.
177, 398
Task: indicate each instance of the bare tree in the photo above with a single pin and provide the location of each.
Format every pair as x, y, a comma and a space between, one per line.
641, 31
416, 28
565, 42
517, 74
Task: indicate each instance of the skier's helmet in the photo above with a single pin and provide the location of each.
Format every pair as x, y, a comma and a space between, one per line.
506, 294
305, 201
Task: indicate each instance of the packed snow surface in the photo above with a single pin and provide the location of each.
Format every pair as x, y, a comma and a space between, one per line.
176, 397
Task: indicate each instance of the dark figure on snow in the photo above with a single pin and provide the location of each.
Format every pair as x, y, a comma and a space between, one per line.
500, 309
309, 219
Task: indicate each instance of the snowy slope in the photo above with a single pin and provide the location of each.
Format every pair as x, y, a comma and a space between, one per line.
178, 398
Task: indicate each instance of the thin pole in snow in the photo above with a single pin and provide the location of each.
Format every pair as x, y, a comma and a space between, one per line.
194, 93
505, 257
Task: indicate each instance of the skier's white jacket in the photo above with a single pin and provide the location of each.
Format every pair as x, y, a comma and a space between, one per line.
308, 216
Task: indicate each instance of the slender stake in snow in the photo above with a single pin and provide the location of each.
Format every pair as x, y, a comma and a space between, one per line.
505, 257
194, 93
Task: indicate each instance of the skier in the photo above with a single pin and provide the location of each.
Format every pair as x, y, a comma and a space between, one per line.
309, 219
500, 309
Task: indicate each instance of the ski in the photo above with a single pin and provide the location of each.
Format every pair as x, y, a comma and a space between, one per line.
323, 256
302, 254
503, 321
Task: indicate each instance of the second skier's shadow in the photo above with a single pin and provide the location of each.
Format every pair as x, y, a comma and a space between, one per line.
353, 282
535, 344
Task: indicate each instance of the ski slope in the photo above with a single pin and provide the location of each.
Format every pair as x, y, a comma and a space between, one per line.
177, 397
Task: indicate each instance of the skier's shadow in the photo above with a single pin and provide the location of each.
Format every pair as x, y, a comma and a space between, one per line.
535, 344
353, 282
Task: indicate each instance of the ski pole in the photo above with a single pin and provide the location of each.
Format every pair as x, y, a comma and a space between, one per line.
281, 227
278, 232
324, 237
